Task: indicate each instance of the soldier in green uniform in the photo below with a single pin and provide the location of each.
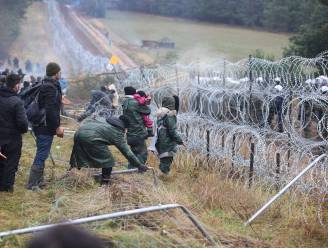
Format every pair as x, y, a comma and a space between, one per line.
167, 137
91, 143
137, 133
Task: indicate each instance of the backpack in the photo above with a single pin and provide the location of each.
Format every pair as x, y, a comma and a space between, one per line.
35, 115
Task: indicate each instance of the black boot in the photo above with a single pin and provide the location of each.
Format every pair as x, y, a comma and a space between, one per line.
106, 173
36, 178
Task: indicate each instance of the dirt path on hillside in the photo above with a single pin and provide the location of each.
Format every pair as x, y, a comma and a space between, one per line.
92, 39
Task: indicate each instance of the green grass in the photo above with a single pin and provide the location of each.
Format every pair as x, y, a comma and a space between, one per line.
209, 196
220, 204
196, 39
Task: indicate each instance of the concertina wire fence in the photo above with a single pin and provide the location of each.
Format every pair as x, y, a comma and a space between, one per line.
234, 117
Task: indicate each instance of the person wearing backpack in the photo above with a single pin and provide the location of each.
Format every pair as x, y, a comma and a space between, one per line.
13, 123
50, 100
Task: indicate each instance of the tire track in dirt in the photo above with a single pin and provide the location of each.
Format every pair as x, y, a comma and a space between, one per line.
92, 39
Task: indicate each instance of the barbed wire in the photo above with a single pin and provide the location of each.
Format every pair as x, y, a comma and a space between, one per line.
247, 117
269, 119
69, 49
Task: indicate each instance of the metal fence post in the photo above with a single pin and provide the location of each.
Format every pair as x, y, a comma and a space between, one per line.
251, 165
233, 150
208, 145
278, 160
224, 72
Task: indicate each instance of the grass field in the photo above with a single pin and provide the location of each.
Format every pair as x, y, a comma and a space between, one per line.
213, 199
195, 39
220, 203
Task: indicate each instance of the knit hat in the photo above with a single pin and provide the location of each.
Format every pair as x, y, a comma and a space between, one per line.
129, 91
168, 102
52, 69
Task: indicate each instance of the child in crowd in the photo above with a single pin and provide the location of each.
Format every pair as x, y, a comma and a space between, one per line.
145, 99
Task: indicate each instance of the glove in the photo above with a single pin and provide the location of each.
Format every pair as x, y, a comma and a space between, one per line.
142, 169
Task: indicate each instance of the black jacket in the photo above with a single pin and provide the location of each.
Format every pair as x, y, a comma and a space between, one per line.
50, 98
13, 120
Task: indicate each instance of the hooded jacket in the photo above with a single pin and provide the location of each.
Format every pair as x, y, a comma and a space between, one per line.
167, 135
13, 120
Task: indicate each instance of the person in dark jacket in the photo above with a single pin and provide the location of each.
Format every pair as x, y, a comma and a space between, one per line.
28, 66
91, 143
13, 123
276, 108
50, 98
26, 86
101, 102
137, 132
16, 63
2, 81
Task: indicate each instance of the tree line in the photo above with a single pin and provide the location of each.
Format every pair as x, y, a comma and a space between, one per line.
277, 15
307, 18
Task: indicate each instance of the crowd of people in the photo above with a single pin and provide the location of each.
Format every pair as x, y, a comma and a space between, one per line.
16, 64
40, 106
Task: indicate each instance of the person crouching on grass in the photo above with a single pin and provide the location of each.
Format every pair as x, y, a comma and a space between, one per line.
91, 143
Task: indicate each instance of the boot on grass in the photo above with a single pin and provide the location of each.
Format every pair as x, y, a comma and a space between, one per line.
35, 181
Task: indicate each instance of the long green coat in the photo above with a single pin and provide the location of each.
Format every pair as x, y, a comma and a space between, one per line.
134, 111
167, 135
91, 143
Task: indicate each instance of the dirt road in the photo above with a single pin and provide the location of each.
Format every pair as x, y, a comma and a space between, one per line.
93, 39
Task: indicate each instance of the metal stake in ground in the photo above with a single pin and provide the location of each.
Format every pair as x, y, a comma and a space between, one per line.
281, 192
251, 164
208, 146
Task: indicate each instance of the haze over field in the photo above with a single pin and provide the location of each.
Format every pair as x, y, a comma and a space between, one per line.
194, 38
231, 96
